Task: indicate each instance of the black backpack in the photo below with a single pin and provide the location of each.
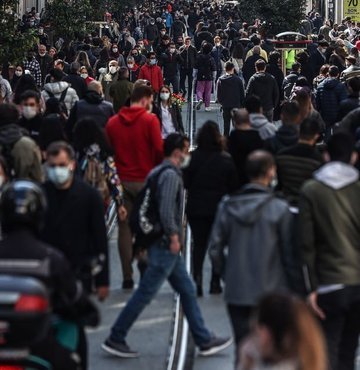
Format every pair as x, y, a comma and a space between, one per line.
144, 219
62, 105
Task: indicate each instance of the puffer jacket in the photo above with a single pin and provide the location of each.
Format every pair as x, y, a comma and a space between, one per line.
330, 93
252, 223
287, 135
56, 89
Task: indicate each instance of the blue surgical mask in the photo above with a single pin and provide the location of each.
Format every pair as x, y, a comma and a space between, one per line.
153, 62
59, 175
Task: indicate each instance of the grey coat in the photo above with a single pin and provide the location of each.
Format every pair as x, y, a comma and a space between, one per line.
255, 227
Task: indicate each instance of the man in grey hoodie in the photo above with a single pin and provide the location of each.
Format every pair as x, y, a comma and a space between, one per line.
329, 235
258, 121
255, 226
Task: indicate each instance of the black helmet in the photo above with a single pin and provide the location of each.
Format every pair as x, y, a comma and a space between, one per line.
22, 203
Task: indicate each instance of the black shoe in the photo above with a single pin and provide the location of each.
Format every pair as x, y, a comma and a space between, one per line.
199, 290
118, 349
214, 346
128, 284
215, 287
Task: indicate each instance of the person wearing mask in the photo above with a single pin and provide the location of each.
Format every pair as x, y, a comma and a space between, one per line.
264, 86
329, 218
116, 55
188, 55
168, 113
285, 336
230, 94
171, 61
19, 72
135, 137
220, 54
152, 72
205, 75
120, 90
140, 59
318, 57
45, 62
21, 153
210, 175
93, 105
243, 140
108, 77
252, 223
31, 117
296, 164
329, 94
74, 221
134, 69
288, 133
151, 32
75, 80
60, 90
33, 66
178, 28
85, 75
165, 261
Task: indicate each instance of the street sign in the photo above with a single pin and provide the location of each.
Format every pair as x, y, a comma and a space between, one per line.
351, 8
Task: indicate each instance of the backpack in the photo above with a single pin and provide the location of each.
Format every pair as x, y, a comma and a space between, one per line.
144, 219
61, 100
93, 174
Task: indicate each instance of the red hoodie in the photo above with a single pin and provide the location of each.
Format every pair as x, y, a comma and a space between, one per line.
135, 136
152, 74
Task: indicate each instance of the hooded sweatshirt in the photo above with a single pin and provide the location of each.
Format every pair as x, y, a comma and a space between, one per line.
329, 226
135, 136
252, 224
261, 124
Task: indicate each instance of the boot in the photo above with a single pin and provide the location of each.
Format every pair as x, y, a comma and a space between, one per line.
215, 285
199, 289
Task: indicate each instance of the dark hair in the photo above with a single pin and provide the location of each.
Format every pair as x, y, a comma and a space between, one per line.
51, 130
354, 84
324, 69
150, 54
309, 128
209, 137
56, 74
8, 114
296, 67
140, 92
258, 164
30, 94
206, 48
340, 147
56, 147
274, 57
290, 111
229, 66
302, 81
75, 66
123, 73
26, 82
88, 132
333, 71
260, 64
253, 104
173, 142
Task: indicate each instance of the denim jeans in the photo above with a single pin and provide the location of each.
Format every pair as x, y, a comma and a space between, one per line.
163, 265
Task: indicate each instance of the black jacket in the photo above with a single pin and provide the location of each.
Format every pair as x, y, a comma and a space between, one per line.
208, 178
75, 224
286, 136
205, 65
349, 104
265, 87
188, 56
171, 64
23, 245
151, 32
249, 67
175, 116
295, 165
33, 126
77, 83
230, 91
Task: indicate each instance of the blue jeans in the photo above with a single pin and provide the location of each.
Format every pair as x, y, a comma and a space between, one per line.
163, 265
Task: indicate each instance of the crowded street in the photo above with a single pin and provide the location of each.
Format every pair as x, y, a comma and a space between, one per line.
179, 185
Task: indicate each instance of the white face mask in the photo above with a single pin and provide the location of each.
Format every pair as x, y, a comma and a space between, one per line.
29, 112
58, 175
130, 66
164, 96
18, 73
186, 161
42, 54
113, 69
41, 31
217, 43
84, 75
115, 50
172, 50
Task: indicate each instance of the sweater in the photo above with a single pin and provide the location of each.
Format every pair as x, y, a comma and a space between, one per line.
152, 74
135, 137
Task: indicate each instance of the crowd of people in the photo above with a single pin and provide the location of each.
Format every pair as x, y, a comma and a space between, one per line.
273, 198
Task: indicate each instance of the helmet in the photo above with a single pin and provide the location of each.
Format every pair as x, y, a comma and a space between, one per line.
22, 203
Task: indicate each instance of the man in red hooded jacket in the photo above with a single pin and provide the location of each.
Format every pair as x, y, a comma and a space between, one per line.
152, 72
135, 136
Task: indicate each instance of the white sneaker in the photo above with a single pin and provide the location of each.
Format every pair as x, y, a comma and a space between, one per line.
208, 109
